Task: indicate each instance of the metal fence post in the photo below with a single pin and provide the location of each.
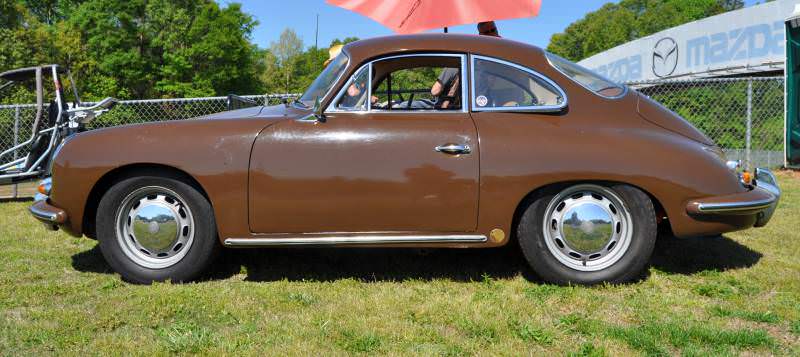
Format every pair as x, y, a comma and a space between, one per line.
749, 124
14, 189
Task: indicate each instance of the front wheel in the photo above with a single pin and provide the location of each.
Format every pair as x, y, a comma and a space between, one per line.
588, 234
156, 229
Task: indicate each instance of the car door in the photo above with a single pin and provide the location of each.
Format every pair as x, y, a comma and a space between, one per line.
366, 169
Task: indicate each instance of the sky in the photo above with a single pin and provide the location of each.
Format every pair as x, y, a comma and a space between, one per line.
275, 16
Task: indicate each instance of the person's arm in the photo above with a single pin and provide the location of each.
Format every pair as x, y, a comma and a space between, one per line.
441, 82
451, 93
437, 88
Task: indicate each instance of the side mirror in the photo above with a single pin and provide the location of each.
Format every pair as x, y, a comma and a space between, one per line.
319, 113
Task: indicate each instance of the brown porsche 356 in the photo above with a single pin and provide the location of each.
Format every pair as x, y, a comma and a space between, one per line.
435, 140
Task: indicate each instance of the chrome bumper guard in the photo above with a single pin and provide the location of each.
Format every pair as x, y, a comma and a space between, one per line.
766, 180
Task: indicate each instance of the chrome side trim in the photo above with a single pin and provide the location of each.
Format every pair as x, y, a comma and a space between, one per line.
736, 206
353, 240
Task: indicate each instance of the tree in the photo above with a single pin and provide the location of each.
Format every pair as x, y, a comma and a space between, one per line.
616, 24
136, 48
10, 14
153, 48
286, 50
51, 11
161, 48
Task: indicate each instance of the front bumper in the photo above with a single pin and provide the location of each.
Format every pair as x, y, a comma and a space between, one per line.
50, 215
760, 201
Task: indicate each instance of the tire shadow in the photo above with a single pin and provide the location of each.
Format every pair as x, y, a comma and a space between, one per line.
91, 261
693, 255
672, 255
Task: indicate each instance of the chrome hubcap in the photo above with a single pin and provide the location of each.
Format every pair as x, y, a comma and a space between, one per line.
587, 227
154, 227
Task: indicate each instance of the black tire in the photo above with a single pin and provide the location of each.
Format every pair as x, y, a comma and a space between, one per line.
200, 254
629, 267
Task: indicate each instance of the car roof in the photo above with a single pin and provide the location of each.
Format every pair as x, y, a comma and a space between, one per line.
362, 50
21, 74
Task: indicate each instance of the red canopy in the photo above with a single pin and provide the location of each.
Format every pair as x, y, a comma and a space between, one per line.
412, 16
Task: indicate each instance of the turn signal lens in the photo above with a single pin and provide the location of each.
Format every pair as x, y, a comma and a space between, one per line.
45, 186
747, 177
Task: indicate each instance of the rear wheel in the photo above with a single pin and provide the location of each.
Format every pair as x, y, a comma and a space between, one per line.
588, 233
156, 229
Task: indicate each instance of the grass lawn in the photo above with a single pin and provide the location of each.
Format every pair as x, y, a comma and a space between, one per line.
736, 294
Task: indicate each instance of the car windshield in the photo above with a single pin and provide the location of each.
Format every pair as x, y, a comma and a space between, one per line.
324, 81
586, 77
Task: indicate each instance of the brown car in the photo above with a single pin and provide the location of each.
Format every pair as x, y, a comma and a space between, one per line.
516, 145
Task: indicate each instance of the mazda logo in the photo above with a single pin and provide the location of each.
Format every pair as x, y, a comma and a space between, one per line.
665, 57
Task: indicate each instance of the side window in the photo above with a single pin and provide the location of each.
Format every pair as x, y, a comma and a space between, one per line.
354, 97
501, 85
417, 82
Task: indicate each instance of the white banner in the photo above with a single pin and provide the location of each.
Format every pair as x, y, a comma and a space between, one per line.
748, 40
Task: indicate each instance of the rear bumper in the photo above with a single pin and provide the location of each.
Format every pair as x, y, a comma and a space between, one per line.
760, 202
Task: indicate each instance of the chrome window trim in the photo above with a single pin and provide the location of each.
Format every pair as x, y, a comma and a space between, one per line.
332, 106
624, 87
529, 108
464, 101
338, 78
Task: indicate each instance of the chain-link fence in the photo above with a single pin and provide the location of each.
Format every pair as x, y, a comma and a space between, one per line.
743, 115
16, 121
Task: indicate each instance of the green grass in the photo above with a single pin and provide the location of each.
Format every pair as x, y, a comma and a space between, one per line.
730, 295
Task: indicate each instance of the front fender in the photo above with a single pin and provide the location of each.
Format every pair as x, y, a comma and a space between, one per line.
215, 153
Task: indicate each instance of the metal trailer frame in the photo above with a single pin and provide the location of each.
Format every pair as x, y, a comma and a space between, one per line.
28, 167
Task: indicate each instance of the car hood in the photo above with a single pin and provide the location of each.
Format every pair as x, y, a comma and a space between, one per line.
279, 111
250, 120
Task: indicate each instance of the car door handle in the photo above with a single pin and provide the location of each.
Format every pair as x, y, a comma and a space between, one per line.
454, 149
